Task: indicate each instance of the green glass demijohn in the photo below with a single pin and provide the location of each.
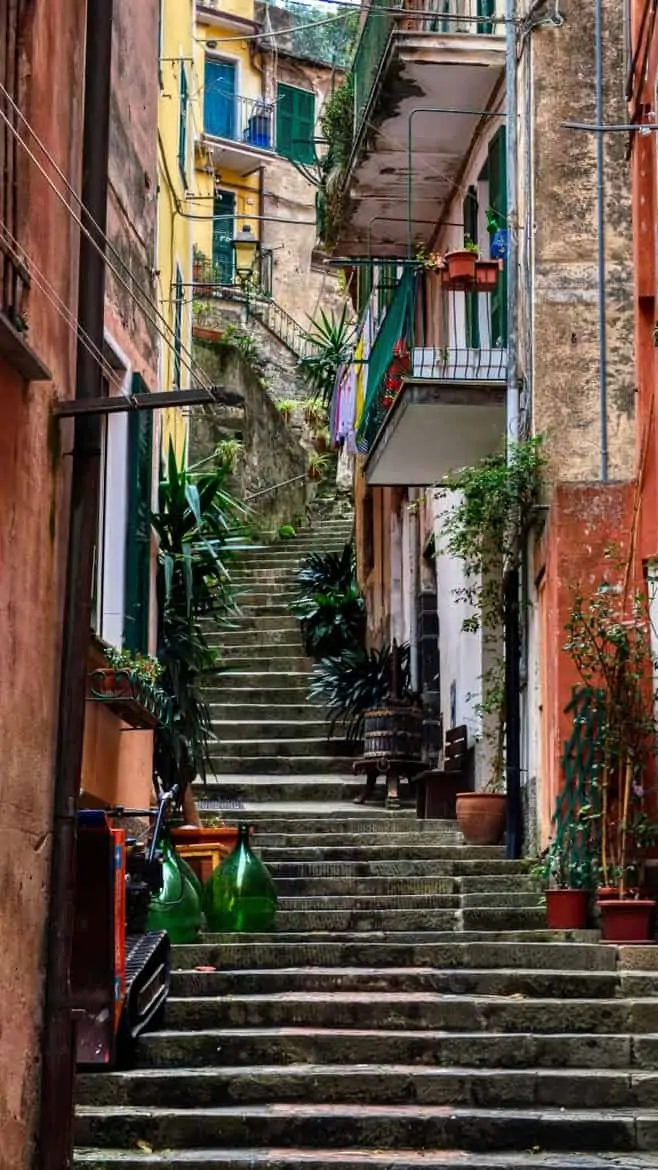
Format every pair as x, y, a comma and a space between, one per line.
239, 894
177, 907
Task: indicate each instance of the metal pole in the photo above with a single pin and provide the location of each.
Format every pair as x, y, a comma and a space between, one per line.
56, 1118
600, 217
512, 651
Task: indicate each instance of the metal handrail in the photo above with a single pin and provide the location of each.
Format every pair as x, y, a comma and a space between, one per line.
280, 322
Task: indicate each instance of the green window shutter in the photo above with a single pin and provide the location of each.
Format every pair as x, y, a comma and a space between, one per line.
470, 211
182, 125
178, 327
295, 123
498, 201
138, 529
486, 8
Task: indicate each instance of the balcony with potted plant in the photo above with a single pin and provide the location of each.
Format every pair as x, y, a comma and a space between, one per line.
128, 685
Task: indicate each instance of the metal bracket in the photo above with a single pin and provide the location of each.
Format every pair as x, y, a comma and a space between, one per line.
158, 400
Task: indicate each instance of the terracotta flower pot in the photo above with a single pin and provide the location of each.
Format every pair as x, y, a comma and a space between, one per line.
481, 817
627, 921
460, 268
486, 274
566, 909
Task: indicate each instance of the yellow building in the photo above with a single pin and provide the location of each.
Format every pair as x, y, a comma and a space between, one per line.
176, 184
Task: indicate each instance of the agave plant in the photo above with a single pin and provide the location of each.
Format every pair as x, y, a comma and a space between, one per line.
352, 682
330, 340
330, 607
200, 528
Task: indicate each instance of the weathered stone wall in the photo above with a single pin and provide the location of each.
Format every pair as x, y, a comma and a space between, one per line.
566, 404
272, 454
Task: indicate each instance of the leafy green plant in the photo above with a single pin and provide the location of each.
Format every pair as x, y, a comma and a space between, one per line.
227, 454
330, 339
199, 525
351, 683
317, 465
314, 413
337, 126
143, 667
287, 532
470, 245
330, 607
493, 501
286, 408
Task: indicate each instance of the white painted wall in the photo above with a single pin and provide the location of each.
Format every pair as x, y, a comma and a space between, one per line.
460, 652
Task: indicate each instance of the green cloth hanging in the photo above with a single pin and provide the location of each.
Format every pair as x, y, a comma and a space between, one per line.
394, 327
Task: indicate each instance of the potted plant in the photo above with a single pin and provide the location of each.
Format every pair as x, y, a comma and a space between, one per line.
322, 440
460, 265
314, 412
567, 879
486, 274
608, 641
330, 607
129, 686
481, 816
317, 465
286, 408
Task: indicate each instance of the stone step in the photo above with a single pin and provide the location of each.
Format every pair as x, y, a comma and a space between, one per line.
529, 983
276, 765
401, 901
252, 634
258, 652
377, 888
254, 600
337, 1127
543, 950
391, 867
200, 1049
423, 850
265, 712
289, 816
413, 838
297, 747
235, 660
267, 618
256, 682
432, 918
228, 731
357, 1159
264, 788
389, 1084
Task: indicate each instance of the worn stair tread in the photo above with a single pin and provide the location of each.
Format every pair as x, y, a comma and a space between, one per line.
272, 1159
414, 997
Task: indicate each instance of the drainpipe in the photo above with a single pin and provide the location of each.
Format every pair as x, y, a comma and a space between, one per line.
600, 217
511, 585
58, 1068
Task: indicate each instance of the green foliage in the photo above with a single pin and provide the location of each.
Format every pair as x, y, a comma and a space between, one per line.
287, 532
330, 339
227, 454
493, 502
337, 125
199, 525
286, 408
315, 413
356, 680
330, 607
146, 669
318, 464
331, 43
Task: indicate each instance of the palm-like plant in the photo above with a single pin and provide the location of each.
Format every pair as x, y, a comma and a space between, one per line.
330, 339
356, 680
330, 606
199, 525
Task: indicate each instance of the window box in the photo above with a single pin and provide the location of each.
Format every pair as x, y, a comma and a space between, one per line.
130, 697
486, 274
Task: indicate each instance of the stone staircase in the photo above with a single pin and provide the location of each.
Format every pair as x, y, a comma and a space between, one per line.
409, 1010
267, 731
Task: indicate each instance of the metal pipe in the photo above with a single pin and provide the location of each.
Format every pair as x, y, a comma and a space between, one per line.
512, 673
600, 218
614, 128
433, 110
55, 1136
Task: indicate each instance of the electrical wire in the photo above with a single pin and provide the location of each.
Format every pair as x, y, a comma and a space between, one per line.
187, 360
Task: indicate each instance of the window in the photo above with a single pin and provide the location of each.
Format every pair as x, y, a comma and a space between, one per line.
295, 123
138, 526
470, 211
178, 327
220, 98
486, 8
182, 124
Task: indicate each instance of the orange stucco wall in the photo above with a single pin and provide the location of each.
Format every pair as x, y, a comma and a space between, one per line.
117, 761
585, 519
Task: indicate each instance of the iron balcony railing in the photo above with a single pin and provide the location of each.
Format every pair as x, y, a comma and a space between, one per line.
282, 325
217, 281
440, 334
239, 119
481, 17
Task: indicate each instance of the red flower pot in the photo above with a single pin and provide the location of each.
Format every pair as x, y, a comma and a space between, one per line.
486, 274
627, 921
460, 268
566, 909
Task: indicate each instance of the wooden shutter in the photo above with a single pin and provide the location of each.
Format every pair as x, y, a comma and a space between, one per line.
284, 120
182, 125
295, 123
305, 126
470, 212
138, 528
486, 8
178, 327
498, 202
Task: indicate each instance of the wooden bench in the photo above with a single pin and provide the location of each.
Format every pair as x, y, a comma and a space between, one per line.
436, 790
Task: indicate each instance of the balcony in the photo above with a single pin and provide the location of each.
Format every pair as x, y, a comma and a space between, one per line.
239, 133
444, 405
405, 67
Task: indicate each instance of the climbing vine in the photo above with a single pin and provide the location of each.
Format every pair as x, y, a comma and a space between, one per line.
337, 125
491, 503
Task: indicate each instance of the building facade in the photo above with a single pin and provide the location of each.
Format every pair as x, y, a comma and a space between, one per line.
466, 114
